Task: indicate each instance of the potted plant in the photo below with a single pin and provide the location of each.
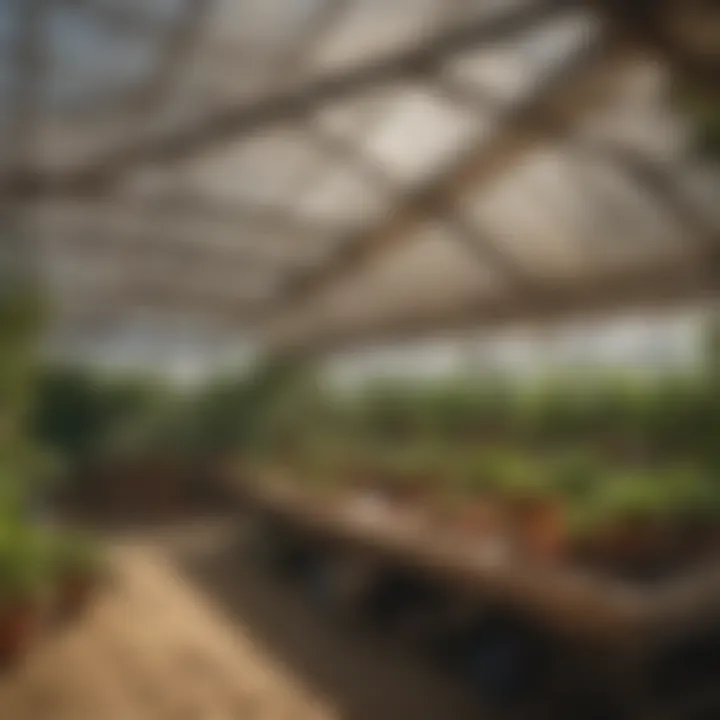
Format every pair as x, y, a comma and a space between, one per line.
538, 512
23, 587
696, 499
479, 503
78, 569
576, 475
627, 527
324, 470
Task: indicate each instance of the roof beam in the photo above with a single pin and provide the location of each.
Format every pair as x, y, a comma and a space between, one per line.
648, 175
551, 111
192, 207
663, 187
294, 60
121, 296
90, 245
676, 30
119, 17
177, 50
28, 80
478, 244
664, 283
27, 60
235, 120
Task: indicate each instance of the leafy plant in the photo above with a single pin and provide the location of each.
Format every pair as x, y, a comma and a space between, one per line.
24, 562
576, 474
629, 496
75, 554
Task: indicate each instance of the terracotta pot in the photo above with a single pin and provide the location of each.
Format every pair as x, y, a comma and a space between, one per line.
19, 623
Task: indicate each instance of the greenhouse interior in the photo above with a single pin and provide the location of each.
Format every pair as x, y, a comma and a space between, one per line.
359, 360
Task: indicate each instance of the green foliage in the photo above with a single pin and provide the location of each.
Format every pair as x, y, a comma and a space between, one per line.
452, 411
25, 567
631, 495
81, 414
75, 553
19, 323
256, 412
690, 491
496, 470
594, 446
576, 474
32, 560
24, 463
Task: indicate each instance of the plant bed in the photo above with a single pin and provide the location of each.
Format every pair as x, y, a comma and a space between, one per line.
580, 601
648, 525
568, 509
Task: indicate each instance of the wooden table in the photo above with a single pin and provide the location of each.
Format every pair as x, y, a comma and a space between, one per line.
578, 603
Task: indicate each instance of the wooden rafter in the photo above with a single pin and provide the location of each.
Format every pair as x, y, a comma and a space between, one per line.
128, 249
176, 50
658, 183
551, 111
477, 243
657, 24
235, 120
193, 208
119, 16
28, 59
656, 284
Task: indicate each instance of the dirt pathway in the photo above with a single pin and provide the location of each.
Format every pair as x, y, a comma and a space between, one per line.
191, 632
152, 648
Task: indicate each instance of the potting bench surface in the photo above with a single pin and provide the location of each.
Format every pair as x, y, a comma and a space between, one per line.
151, 649
602, 609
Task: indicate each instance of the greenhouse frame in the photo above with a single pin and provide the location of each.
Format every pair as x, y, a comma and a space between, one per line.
318, 177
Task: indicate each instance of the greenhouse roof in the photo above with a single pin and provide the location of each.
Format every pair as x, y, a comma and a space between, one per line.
319, 171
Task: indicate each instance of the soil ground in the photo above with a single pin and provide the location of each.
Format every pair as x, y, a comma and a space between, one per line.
190, 630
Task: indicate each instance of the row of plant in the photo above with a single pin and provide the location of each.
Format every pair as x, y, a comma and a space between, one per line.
45, 577
547, 506
644, 446
642, 449
43, 572
617, 471
84, 416
661, 417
